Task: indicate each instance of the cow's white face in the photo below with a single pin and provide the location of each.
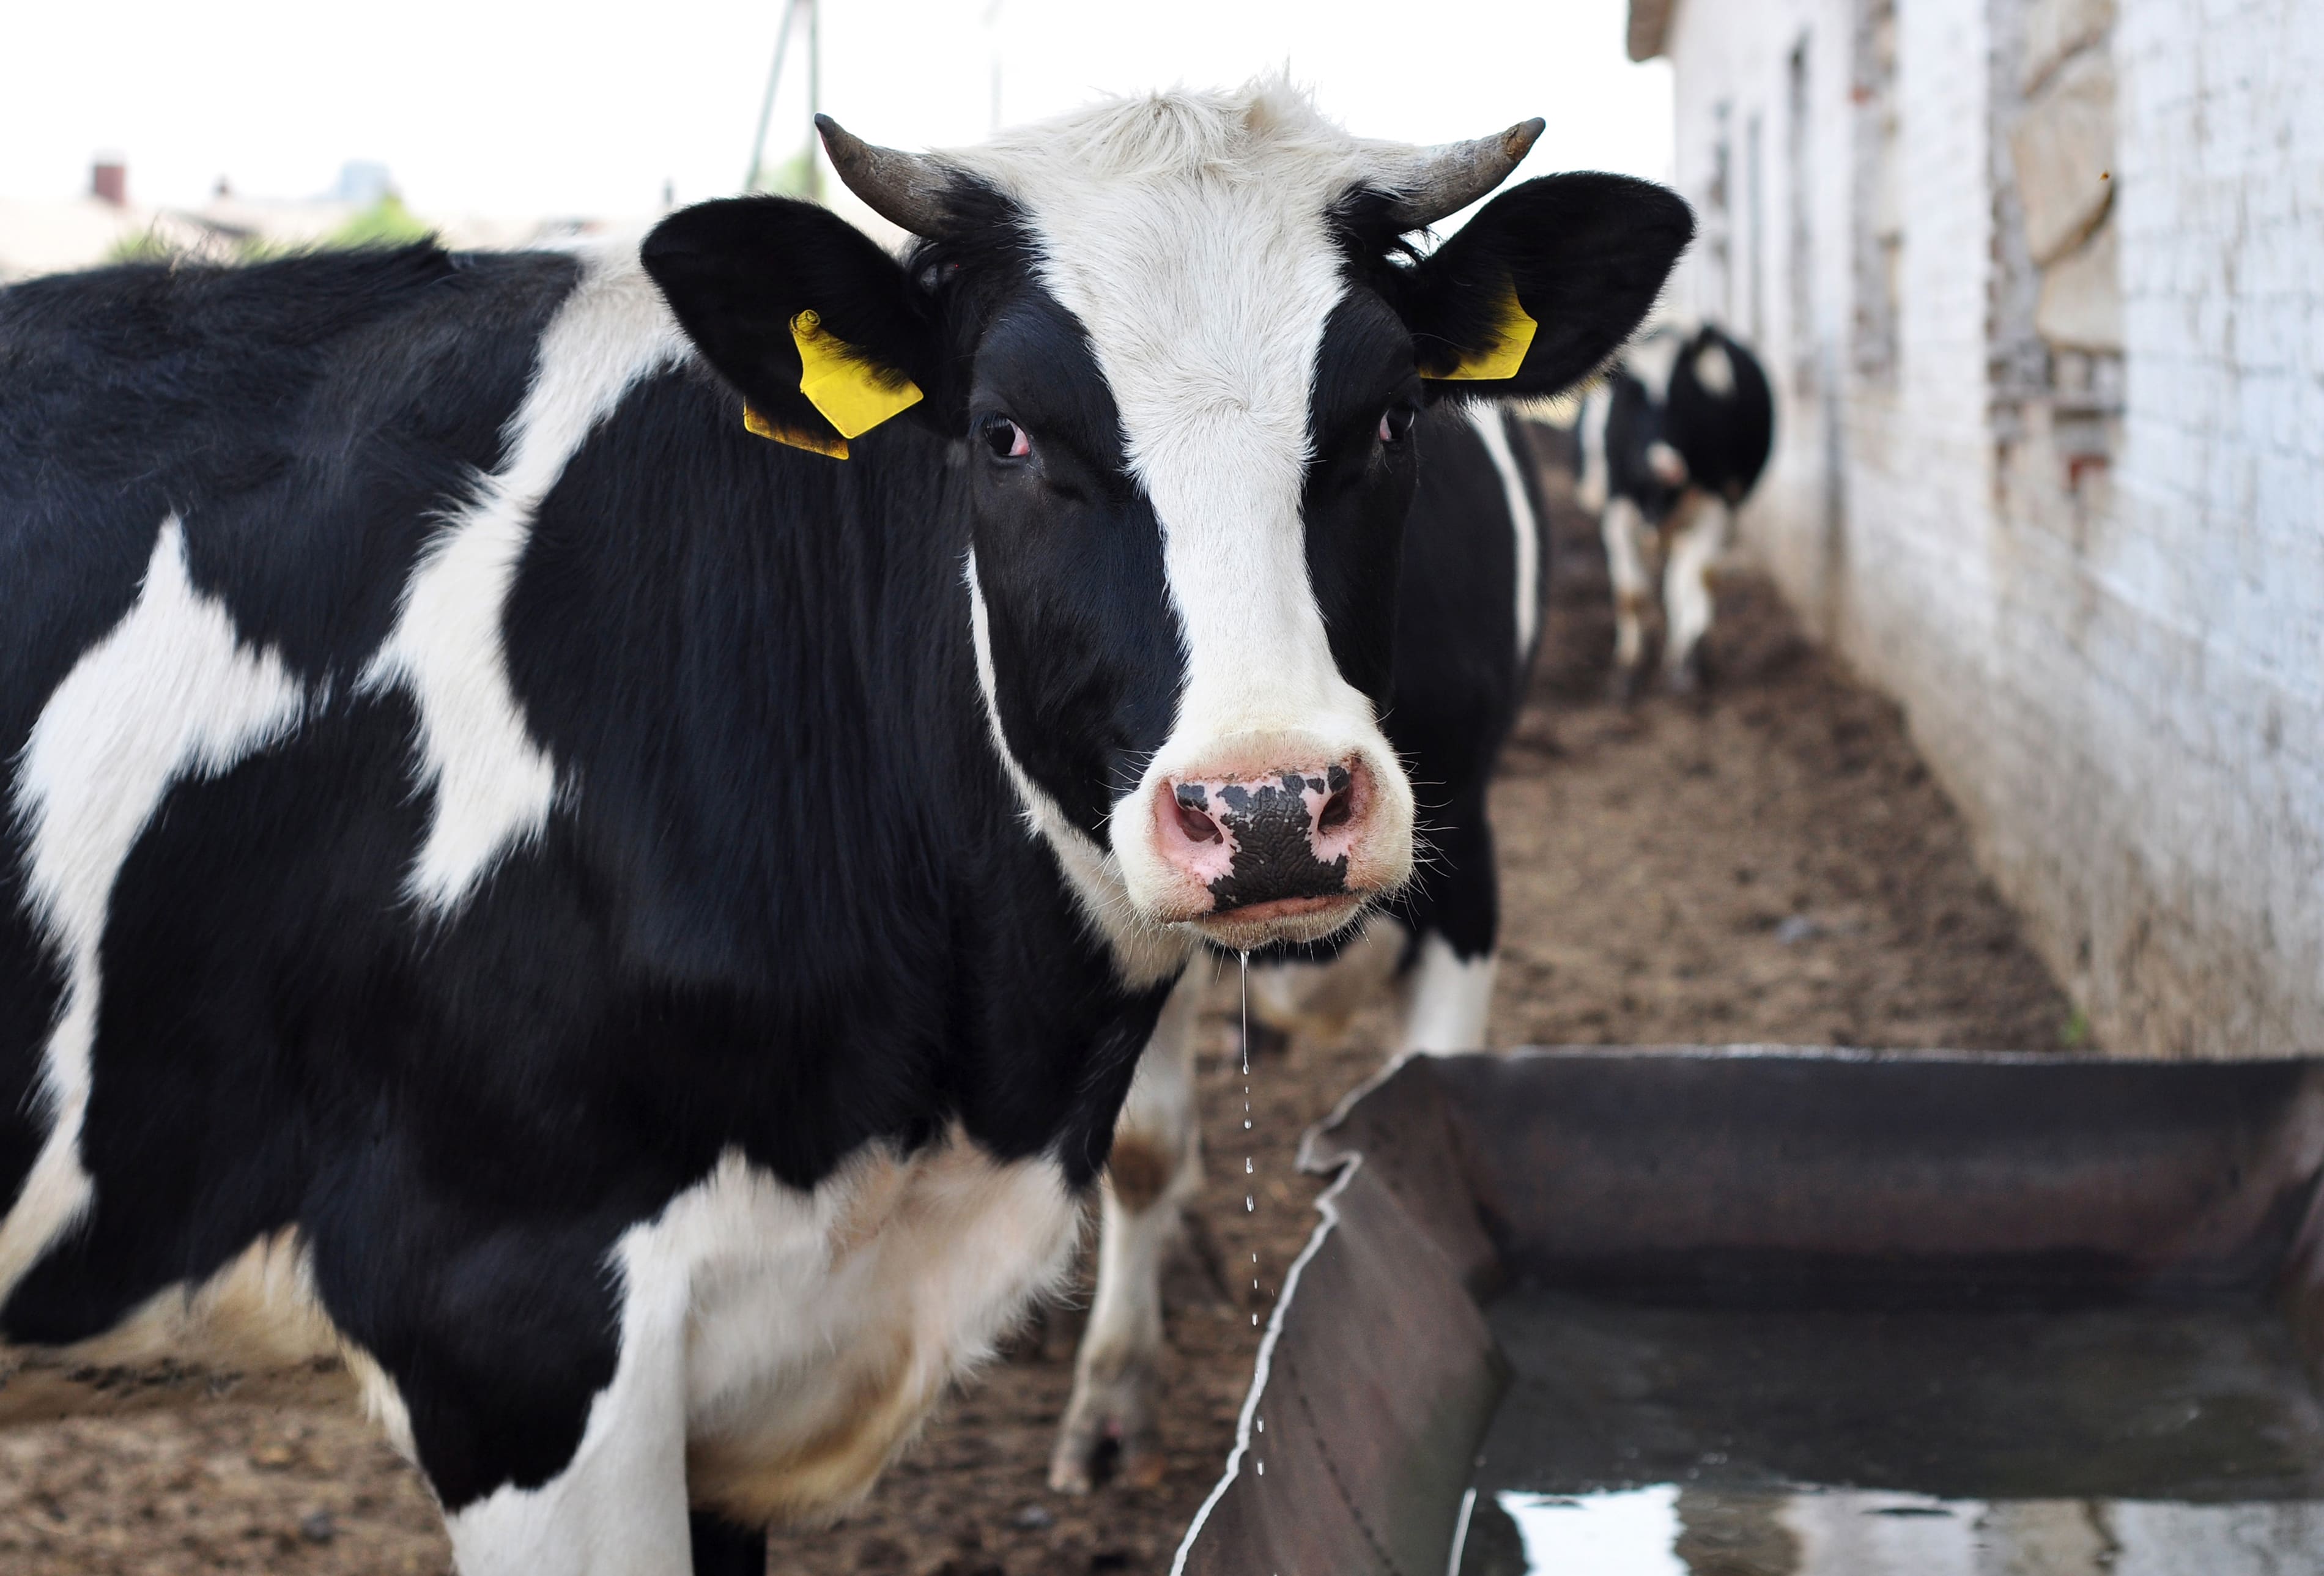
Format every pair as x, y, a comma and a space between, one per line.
1209, 401
1182, 347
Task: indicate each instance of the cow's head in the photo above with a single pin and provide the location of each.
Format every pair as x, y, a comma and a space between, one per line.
1178, 342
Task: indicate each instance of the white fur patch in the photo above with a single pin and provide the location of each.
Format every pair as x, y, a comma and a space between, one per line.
1487, 419
171, 692
1697, 533
1449, 999
1623, 528
493, 786
1186, 232
1714, 369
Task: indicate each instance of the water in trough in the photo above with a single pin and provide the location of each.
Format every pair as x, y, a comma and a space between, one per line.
1658, 1441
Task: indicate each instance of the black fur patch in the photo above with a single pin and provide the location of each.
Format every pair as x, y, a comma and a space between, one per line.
1085, 642
1359, 490
1724, 437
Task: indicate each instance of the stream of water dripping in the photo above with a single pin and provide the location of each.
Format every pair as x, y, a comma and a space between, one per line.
1250, 1200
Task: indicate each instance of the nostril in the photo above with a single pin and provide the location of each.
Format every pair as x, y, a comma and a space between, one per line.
1336, 810
1197, 826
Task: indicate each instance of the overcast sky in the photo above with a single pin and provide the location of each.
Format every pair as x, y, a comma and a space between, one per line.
584, 107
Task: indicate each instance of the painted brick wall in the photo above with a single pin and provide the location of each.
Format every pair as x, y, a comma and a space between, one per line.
2117, 670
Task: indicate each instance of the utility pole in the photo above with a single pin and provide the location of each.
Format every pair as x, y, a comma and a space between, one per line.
812, 177
813, 99
774, 80
992, 47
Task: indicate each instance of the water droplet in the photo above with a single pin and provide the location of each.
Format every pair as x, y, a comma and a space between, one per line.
1262, 1469
1248, 1203
1246, 1018
1245, 1124
1254, 1320
1262, 1425
1246, 1166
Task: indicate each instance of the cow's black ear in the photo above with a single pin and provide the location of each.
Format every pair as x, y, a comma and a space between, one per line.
820, 329
1547, 281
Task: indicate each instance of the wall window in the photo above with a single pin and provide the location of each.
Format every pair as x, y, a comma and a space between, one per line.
1799, 217
1755, 208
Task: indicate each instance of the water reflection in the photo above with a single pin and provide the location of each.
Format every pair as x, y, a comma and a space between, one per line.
1618, 1534
1668, 1530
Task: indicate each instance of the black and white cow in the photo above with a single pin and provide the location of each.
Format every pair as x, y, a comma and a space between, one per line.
1468, 622
1673, 440
635, 937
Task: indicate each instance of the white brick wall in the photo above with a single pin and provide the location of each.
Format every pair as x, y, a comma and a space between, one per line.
2123, 685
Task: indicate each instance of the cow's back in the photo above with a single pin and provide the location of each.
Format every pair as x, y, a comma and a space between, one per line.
307, 419
1722, 414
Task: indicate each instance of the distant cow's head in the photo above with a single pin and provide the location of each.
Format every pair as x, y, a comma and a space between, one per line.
1180, 342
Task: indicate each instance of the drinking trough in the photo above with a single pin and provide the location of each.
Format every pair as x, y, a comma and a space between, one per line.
1763, 1311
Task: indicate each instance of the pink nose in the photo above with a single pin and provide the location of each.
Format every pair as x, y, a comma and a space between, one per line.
1271, 839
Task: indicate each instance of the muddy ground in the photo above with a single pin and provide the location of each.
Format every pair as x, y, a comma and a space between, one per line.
1772, 865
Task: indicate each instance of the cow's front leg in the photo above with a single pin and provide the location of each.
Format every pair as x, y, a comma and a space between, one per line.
1157, 1168
1698, 535
617, 1506
1624, 530
1448, 991
533, 1368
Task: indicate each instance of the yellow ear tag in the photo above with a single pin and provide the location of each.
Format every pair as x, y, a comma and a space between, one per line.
853, 395
836, 447
1508, 354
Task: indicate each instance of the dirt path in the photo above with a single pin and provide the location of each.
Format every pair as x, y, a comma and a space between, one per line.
1774, 866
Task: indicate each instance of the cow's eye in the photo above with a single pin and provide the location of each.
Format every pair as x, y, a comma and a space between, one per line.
1003, 438
1395, 423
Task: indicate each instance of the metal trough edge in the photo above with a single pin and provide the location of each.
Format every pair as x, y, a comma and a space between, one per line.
1368, 1465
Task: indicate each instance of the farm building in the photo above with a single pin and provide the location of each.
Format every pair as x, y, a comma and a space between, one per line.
2035, 281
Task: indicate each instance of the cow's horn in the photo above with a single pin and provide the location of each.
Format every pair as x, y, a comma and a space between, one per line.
1449, 176
907, 190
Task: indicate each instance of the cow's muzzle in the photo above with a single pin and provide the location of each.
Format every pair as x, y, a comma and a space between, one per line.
1280, 854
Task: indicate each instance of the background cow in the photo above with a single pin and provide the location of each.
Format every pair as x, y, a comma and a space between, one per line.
1468, 623
635, 934
1673, 440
